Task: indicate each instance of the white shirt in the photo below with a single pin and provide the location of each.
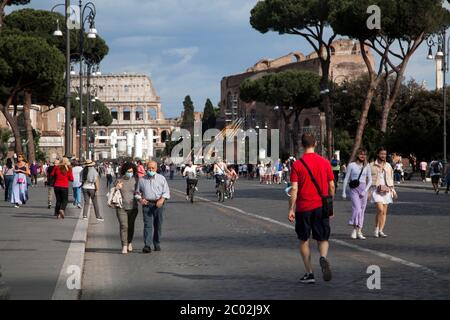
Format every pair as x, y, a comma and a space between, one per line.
353, 172
191, 172
76, 172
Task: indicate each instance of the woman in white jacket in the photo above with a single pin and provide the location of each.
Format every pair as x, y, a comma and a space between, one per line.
359, 179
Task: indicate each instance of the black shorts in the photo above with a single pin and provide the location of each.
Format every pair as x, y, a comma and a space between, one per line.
312, 221
435, 179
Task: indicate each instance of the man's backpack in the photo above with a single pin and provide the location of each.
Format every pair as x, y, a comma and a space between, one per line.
435, 167
334, 162
50, 178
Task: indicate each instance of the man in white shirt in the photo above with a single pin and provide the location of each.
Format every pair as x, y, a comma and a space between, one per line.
76, 184
190, 171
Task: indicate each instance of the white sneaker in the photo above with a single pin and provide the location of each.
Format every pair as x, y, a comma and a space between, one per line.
196, 189
100, 219
354, 235
361, 236
130, 247
124, 250
383, 235
187, 197
376, 233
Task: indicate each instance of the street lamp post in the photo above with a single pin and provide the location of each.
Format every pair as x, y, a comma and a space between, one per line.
58, 33
91, 10
442, 53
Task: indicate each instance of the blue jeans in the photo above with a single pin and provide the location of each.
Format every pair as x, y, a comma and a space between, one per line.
153, 218
77, 195
8, 187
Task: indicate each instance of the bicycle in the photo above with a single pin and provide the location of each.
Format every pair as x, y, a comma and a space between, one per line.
191, 191
230, 189
221, 189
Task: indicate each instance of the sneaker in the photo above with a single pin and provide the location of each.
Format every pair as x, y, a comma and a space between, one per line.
354, 234
147, 249
382, 234
308, 278
376, 234
79, 206
124, 250
100, 219
326, 270
130, 247
157, 248
49, 206
85, 218
187, 198
361, 236
16, 206
196, 189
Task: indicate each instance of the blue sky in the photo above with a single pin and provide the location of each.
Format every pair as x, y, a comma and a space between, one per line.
188, 46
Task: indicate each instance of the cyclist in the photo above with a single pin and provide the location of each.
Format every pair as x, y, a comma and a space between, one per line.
220, 171
190, 171
232, 176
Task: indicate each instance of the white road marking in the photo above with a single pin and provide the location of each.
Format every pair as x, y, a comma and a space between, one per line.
340, 242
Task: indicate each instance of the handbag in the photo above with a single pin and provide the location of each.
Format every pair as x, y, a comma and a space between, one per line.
20, 180
355, 183
383, 189
327, 202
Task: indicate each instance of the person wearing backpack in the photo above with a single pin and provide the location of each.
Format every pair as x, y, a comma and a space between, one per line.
90, 185
435, 174
359, 179
336, 166
51, 182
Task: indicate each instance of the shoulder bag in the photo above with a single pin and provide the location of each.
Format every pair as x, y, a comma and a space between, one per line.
355, 183
327, 202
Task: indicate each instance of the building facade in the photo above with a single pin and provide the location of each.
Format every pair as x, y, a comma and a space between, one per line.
347, 64
137, 115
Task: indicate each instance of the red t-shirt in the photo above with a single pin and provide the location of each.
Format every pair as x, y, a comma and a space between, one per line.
62, 180
308, 198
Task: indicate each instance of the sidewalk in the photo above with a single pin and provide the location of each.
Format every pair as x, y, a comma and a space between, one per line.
33, 245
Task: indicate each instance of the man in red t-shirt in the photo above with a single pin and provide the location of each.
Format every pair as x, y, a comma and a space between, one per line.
305, 206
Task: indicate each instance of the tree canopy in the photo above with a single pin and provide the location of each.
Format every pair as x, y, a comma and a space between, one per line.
41, 23
209, 116
298, 89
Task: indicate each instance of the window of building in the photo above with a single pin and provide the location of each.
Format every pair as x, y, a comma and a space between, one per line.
114, 113
126, 114
102, 134
139, 114
164, 136
152, 113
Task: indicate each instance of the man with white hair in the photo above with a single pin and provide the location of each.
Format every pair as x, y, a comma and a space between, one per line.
152, 191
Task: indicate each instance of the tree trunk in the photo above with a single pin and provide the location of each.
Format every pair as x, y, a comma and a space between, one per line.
324, 85
29, 127
12, 123
3, 4
363, 118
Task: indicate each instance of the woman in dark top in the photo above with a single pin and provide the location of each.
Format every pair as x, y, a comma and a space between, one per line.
8, 175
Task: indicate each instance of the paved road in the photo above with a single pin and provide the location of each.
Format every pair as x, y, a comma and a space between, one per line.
248, 250
33, 246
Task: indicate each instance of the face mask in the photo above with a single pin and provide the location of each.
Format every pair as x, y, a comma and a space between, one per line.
151, 173
130, 174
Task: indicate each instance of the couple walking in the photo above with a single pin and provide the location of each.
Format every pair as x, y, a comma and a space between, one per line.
151, 191
374, 181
